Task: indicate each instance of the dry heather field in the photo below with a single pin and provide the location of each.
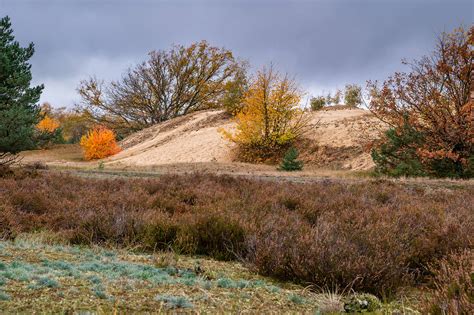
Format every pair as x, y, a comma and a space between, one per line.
173, 223
318, 243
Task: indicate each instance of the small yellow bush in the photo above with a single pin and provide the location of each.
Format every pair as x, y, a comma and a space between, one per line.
99, 143
48, 124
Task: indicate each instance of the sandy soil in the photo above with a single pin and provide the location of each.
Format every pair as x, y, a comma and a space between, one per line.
334, 142
190, 139
338, 135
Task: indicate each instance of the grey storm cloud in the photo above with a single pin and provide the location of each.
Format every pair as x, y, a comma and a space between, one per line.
324, 44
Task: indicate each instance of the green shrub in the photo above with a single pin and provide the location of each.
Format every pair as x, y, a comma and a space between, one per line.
4, 296
215, 236
397, 155
290, 161
45, 282
295, 298
174, 301
362, 303
158, 235
44, 139
99, 292
444, 167
226, 283
317, 103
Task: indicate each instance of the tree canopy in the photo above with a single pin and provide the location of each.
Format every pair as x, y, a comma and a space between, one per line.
169, 84
19, 112
271, 117
432, 102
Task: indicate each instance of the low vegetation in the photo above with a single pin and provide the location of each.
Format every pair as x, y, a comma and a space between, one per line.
39, 273
453, 285
375, 236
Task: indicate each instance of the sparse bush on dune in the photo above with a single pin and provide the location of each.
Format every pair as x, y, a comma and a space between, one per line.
375, 236
317, 103
352, 95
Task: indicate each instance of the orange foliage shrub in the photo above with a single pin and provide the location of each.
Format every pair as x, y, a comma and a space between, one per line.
48, 124
99, 143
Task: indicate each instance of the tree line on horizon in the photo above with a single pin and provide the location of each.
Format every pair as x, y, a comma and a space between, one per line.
428, 110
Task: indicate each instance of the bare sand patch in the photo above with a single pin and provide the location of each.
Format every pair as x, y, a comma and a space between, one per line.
195, 138
335, 140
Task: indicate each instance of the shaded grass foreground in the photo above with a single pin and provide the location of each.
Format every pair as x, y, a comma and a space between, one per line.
374, 236
36, 277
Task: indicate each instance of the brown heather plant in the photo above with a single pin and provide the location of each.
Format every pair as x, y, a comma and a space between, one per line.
453, 291
376, 236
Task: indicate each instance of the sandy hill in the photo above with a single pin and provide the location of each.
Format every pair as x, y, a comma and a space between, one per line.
335, 140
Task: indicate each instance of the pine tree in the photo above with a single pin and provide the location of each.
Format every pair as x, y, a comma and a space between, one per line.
19, 112
290, 161
396, 156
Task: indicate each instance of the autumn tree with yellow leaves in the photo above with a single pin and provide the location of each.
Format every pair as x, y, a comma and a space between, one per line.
271, 118
48, 124
48, 129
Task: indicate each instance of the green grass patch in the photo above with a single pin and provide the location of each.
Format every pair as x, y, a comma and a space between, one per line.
62, 278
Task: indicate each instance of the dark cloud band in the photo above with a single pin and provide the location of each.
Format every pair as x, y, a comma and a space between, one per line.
325, 44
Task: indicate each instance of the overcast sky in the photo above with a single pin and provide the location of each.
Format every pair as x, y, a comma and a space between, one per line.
324, 44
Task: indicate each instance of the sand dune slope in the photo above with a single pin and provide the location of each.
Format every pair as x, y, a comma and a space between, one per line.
335, 138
